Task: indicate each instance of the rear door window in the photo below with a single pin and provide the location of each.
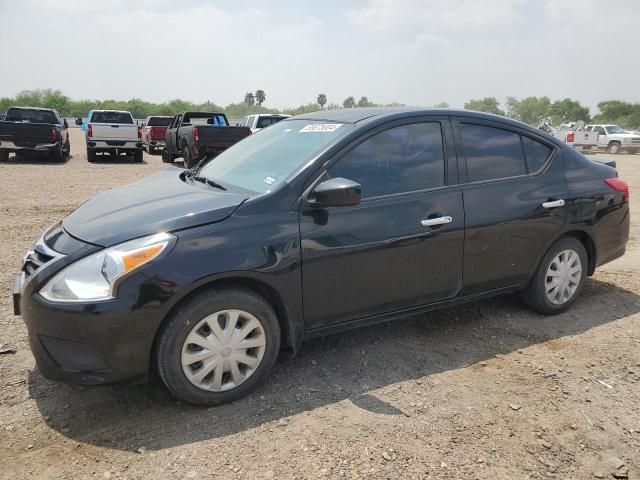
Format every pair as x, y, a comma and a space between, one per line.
536, 153
402, 159
491, 153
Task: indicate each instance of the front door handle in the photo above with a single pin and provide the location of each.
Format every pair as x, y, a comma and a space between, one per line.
553, 204
432, 222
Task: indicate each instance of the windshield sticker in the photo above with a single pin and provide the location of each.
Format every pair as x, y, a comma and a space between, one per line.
269, 180
321, 127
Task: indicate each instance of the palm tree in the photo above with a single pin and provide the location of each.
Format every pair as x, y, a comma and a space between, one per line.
249, 99
260, 97
349, 102
322, 100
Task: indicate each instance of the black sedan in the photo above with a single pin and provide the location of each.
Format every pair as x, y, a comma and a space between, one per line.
322, 222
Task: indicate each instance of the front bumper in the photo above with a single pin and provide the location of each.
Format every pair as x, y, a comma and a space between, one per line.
90, 343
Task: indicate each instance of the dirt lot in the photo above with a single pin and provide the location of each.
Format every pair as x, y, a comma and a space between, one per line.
489, 390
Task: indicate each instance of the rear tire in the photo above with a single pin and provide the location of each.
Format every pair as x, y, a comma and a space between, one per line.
4, 156
67, 150
189, 161
58, 155
91, 155
137, 156
559, 279
614, 148
224, 376
166, 156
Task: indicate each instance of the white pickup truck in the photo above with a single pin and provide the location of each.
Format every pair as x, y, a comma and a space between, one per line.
113, 132
615, 139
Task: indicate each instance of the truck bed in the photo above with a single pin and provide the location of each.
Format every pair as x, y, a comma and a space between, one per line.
220, 137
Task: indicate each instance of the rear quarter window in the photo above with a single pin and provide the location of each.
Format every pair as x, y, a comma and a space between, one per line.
536, 153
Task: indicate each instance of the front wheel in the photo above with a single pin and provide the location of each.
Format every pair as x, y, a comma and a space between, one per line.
218, 347
559, 279
614, 147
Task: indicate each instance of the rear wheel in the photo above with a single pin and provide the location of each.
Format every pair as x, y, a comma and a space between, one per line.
189, 161
614, 147
91, 155
58, 154
166, 156
4, 155
559, 278
137, 156
67, 150
151, 150
218, 347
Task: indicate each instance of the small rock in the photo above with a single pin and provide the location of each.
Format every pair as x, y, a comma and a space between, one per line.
65, 430
269, 474
106, 474
29, 446
142, 450
598, 474
623, 473
443, 465
386, 456
192, 474
546, 444
515, 407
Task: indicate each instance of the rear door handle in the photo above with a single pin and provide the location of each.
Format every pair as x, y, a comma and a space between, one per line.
431, 222
553, 204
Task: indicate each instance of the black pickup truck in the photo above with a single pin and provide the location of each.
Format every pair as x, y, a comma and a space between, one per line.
196, 135
31, 131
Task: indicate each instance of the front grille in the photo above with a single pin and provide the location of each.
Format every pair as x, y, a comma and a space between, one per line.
38, 257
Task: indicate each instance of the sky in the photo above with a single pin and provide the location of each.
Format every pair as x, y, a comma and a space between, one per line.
416, 52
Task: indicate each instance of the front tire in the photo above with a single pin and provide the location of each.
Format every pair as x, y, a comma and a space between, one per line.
614, 148
559, 279
218, 347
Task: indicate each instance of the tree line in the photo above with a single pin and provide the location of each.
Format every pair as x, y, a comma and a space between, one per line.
529, 110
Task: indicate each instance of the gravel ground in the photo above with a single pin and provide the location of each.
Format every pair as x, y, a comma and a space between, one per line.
489, 390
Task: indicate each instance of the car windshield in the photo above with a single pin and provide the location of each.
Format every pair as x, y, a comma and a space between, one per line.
159, 121
614, 129
262, 161
112, 117
32, 116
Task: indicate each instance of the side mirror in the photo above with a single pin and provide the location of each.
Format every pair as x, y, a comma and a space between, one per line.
336, 192
78, 121
65, 124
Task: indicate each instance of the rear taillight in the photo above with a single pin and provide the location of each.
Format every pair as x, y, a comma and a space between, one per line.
619, 185
90, 130
139, 133
196, 134
54, 135
570, 137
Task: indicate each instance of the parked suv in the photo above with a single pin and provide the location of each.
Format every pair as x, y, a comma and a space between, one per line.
113, 132
322, 222
615, 139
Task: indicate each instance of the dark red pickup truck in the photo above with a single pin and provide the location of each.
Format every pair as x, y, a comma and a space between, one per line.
153, 131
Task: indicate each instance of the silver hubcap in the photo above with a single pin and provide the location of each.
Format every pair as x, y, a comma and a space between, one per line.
223, 350
563, 277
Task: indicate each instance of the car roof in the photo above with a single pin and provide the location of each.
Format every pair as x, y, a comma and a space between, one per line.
381, 114
109, 110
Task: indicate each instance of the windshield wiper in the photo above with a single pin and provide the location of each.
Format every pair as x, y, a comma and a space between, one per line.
209, 182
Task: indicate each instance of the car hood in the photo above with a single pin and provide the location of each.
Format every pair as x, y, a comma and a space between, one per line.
158, 203
625, 135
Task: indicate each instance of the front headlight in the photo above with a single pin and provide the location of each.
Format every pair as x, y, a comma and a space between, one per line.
93, 278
